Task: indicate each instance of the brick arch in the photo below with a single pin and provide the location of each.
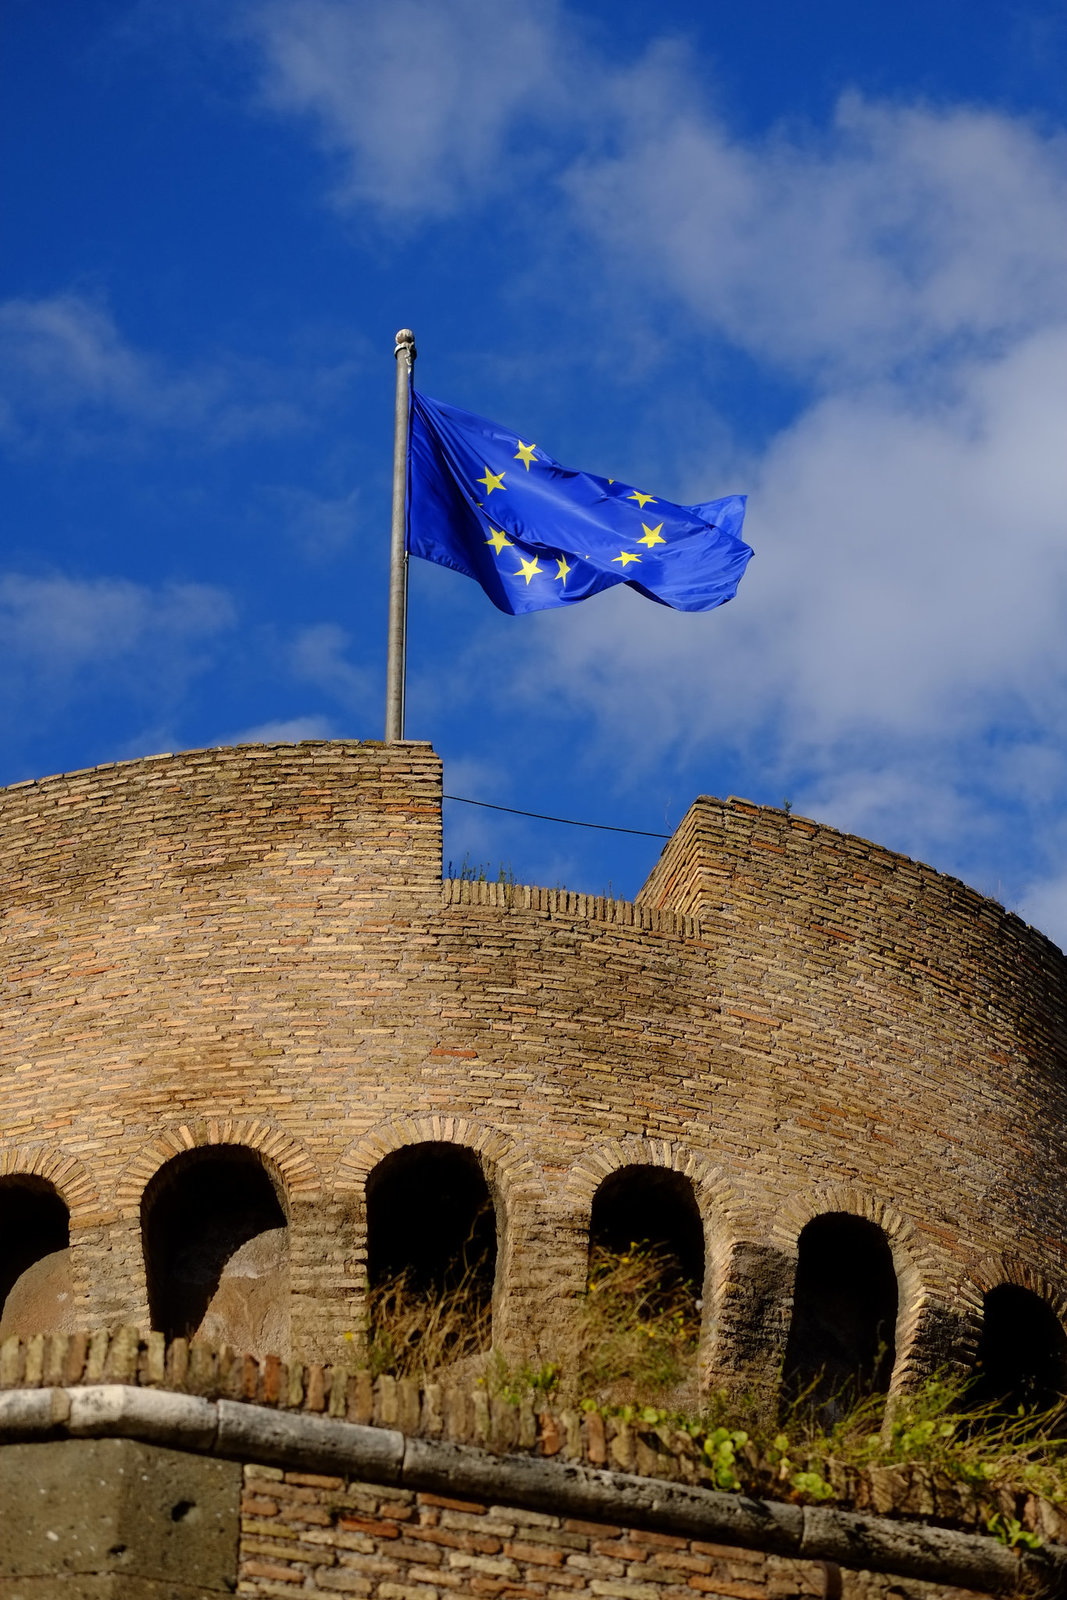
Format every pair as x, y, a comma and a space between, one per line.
921, 1280
804, 1207
281, 1154
722, 1210
989, 1272
66, 1174
508, 1166
716, 1199
993, 1270
727, 1268
515, 1185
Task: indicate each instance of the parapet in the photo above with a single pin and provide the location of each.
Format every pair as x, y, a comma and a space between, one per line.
151, 1465
799, 891
220, 820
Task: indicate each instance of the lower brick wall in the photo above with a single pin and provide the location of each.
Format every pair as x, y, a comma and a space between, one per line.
305, 1534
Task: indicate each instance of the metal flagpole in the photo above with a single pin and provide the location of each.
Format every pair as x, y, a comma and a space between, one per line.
398, 555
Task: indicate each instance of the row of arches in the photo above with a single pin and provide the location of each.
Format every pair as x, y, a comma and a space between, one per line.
215, 1241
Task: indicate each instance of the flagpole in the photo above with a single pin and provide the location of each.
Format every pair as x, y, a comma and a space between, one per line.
398, 555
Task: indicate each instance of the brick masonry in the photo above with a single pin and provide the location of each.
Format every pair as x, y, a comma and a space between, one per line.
133, 1454
304, 1533
460, 1412
254, 946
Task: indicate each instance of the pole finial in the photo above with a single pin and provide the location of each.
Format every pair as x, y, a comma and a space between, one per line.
405, 340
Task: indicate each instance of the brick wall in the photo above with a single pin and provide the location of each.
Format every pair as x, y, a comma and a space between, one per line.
457, 1411
253, 946
378, 1488
303, 1533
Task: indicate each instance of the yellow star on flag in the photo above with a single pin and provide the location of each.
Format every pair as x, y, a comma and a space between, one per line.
652, 535
525, 454
497, 539
561, 563
643, 500
527, 569
492, 480
626, 557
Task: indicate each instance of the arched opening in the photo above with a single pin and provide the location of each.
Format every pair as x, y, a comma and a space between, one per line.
652, 1210
841, 1345
215, 1250
431, 1256
36, 1295
639, 1324
1022, 1353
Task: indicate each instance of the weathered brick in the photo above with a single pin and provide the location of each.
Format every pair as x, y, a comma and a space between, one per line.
251, 1568
254, 947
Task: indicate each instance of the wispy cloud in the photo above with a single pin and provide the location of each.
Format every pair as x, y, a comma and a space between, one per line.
320, 525
413, 99
1044, 903
319, 656
67, 366
70, 642
67, 625
898, 232
291, 730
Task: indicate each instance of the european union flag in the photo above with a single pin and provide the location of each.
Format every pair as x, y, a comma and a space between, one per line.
535, 534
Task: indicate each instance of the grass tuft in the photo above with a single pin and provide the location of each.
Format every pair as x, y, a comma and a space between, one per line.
633, 1356
636, 1331
415, 1333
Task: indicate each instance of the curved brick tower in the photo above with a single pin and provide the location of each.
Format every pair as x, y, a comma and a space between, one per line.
252, 950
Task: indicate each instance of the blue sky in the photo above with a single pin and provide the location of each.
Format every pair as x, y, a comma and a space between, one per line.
813, 253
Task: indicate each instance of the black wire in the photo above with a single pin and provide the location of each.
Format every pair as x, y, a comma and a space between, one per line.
539, 816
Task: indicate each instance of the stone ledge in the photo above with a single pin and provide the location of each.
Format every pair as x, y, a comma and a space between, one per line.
249, 1433
117, 1366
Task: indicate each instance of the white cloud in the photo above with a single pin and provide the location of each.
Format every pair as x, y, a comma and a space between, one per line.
910, 573
318, 657
292, 730
64, 362
414, 98
1045, 905
64, 625
899, 231
912, 566
68, 640
320, 525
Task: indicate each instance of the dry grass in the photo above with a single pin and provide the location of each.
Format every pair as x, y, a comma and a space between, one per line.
414, 1334
634, 1334
633, 1352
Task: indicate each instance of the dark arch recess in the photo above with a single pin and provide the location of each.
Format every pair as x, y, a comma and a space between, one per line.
34, 1223
198, 1210
655, 1209
1022, 1352
841, 1345
430, 1217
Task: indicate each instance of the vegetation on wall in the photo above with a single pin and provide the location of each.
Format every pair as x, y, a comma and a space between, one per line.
633, 1357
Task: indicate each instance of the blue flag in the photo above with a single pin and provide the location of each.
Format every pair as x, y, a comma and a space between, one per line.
535, 535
